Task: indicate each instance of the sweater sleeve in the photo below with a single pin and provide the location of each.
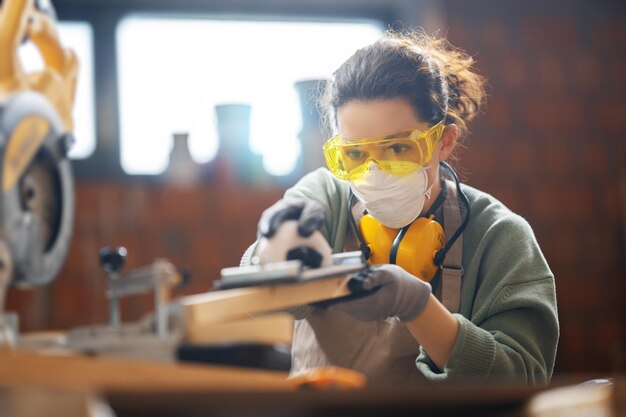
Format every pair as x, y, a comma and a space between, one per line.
512, 330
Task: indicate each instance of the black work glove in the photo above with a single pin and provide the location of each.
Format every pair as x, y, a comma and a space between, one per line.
309, 214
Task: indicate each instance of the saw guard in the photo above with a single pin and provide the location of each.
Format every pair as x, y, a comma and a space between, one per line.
36, 260
35, 130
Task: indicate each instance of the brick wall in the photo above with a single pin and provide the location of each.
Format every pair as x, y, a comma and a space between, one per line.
550, 146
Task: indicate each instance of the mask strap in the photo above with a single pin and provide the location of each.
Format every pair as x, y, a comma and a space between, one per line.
441, 255
441, 198
428, 191
365, 250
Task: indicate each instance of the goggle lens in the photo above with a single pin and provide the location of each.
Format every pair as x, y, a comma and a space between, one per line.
400, 155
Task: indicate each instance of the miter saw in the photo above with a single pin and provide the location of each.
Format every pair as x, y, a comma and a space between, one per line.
37, 205
36, 214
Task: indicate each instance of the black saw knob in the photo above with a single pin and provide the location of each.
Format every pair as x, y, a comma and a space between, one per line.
113, 259
309, 257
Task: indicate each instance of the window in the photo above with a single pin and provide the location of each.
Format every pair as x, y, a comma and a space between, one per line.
173, 72
77, 36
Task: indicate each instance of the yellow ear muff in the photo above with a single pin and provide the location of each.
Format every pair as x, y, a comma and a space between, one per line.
416, 250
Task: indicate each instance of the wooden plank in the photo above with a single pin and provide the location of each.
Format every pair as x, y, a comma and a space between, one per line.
30, 369
236, 304
269, 329
577, 400
33, 402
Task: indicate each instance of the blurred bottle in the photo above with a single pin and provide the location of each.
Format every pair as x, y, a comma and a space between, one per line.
182, 170
235, 160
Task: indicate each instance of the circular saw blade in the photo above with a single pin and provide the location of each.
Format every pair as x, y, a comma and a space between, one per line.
40, 195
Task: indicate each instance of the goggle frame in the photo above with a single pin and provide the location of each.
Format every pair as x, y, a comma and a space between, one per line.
430, 138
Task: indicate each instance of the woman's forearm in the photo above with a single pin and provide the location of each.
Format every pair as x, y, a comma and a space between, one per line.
436, 330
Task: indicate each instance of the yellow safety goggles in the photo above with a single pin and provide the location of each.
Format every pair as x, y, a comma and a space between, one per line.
399, 154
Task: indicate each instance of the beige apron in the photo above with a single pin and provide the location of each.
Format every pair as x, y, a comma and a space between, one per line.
383, 350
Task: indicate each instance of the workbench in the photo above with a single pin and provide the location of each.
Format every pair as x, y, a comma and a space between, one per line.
63, 384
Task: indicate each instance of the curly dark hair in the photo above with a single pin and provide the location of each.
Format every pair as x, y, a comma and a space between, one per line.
434, 77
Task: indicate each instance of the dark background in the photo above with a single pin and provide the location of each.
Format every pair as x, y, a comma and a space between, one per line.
550, 145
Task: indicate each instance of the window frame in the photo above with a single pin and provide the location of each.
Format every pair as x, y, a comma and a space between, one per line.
104, 164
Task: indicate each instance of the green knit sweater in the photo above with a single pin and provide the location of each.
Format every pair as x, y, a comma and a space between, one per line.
508, 316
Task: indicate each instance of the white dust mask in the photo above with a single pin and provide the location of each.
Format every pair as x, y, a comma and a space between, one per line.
393, 200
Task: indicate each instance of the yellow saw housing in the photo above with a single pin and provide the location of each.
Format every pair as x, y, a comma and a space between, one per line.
36, 187
415, 251
57, 80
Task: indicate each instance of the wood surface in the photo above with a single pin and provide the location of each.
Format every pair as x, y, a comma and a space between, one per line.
267, 329
240, 303
137, 388
25, 368
601, 400
33, 402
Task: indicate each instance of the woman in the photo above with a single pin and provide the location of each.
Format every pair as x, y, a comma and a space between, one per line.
399, 107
